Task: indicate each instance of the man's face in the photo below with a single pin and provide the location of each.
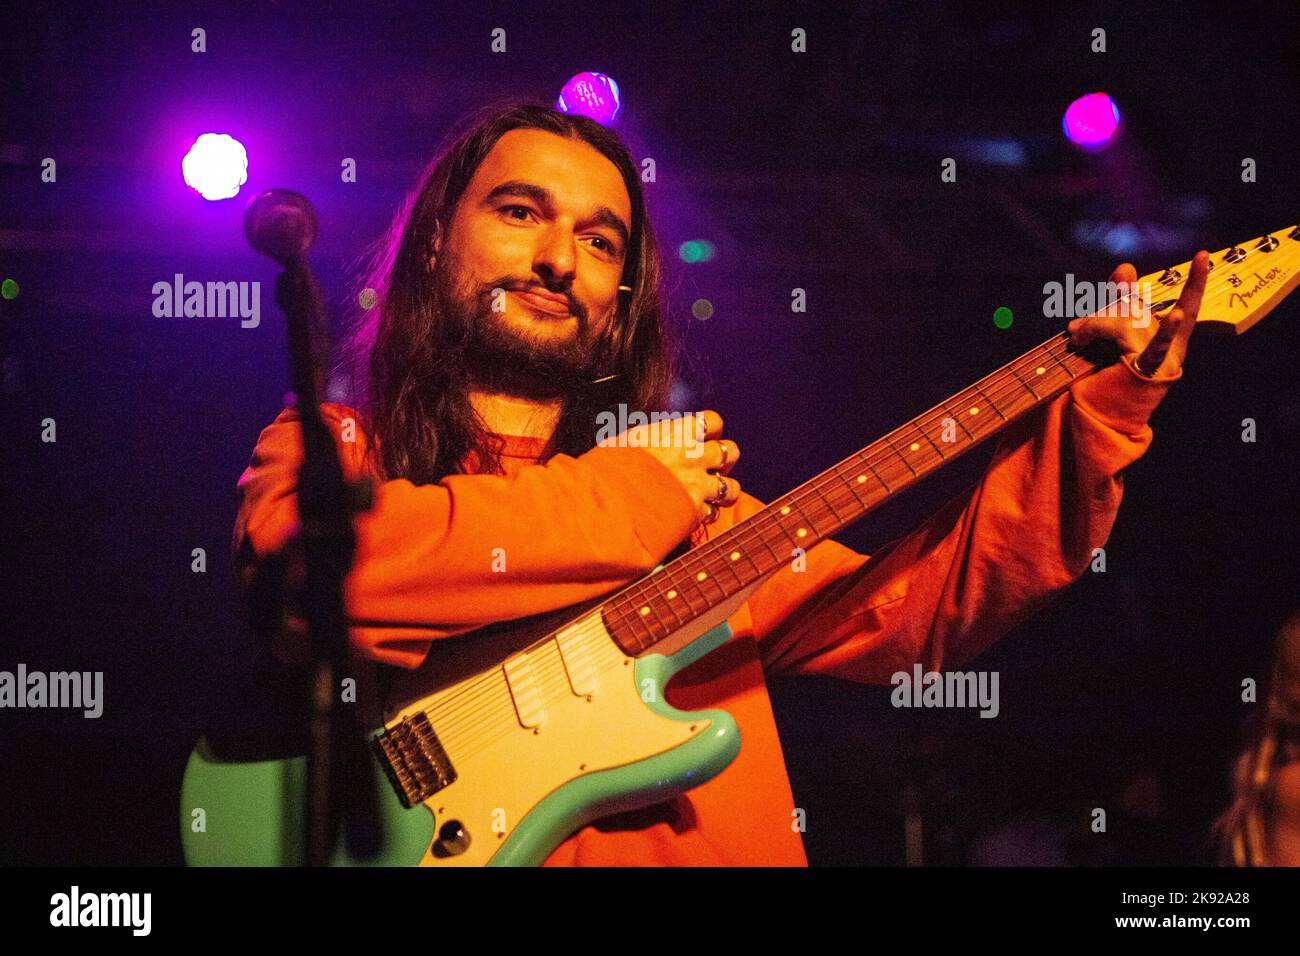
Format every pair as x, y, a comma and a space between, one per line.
546, 219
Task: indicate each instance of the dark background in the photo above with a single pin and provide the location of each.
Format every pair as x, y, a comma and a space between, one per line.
818, 171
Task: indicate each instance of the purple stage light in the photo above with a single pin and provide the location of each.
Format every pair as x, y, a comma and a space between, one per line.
590, 94
216, 166
1091, 121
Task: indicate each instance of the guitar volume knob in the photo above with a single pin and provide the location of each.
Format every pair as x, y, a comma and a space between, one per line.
453, 839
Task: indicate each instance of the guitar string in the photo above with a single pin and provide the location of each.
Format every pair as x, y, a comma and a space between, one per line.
546, 674
550, 675
647, 585
544, 684
545, 681
546, 671
891, 452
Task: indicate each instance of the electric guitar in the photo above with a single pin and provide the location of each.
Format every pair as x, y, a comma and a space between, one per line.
509, 739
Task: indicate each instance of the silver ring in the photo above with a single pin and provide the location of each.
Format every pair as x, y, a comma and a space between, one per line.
722, 491
713, 513
726, 453
1137, 365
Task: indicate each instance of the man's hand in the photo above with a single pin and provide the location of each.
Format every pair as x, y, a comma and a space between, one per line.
1159, 352
693, 449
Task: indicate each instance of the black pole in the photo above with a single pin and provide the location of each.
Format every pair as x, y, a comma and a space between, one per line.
340, 777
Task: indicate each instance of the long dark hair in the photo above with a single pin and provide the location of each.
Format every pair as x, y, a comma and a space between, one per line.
404, 362
1241, 832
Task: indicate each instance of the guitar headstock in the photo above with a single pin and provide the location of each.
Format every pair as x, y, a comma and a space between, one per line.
1244, 284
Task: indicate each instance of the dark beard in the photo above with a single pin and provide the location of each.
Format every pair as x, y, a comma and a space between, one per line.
500, 358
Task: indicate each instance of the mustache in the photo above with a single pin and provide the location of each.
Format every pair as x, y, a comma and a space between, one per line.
511, 284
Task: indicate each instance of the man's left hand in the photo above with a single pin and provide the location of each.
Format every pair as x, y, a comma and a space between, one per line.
1159, 350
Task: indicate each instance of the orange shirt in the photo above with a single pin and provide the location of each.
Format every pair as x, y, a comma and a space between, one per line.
575, 529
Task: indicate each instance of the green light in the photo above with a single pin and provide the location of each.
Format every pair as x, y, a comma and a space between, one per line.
9, 289
1002, 317
696, 250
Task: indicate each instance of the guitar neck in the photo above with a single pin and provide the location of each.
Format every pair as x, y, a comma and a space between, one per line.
1245, 283
653, 608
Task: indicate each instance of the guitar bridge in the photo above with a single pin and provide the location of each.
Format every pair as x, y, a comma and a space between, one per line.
414, 759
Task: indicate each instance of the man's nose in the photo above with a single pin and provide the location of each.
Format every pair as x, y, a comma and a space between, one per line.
556, 258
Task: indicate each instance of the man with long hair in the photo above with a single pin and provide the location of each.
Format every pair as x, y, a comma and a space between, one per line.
518, 299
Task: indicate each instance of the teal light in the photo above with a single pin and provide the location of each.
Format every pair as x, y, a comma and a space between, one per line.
696, 250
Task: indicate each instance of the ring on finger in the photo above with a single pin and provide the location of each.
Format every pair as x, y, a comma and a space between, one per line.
723, 488
713, 513
1137, 364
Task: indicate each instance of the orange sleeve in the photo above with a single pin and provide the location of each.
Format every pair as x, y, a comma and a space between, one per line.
427, 564
986, 561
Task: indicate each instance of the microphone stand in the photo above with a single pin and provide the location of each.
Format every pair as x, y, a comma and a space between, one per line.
340, 781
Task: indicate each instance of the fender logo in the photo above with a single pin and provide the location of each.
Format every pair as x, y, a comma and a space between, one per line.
1265, 280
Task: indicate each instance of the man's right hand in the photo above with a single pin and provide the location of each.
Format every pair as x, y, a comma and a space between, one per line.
692, 448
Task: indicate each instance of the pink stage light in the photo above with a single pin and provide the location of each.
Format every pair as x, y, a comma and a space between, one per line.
590, 94
1091, 121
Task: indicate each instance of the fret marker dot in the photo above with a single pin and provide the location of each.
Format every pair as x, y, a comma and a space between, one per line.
645, 611
802, 532
915, 446
1040, 370
861, 478
974, 410
701, 576
735, 556
785, 510
672, 594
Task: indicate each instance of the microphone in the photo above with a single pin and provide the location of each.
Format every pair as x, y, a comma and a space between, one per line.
280, 224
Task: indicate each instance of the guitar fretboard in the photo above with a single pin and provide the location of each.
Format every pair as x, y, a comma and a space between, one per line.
656, 606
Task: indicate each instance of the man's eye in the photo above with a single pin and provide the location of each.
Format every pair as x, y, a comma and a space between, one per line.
524, 209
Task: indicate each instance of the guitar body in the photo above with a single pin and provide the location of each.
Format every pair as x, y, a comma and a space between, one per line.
588, 734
